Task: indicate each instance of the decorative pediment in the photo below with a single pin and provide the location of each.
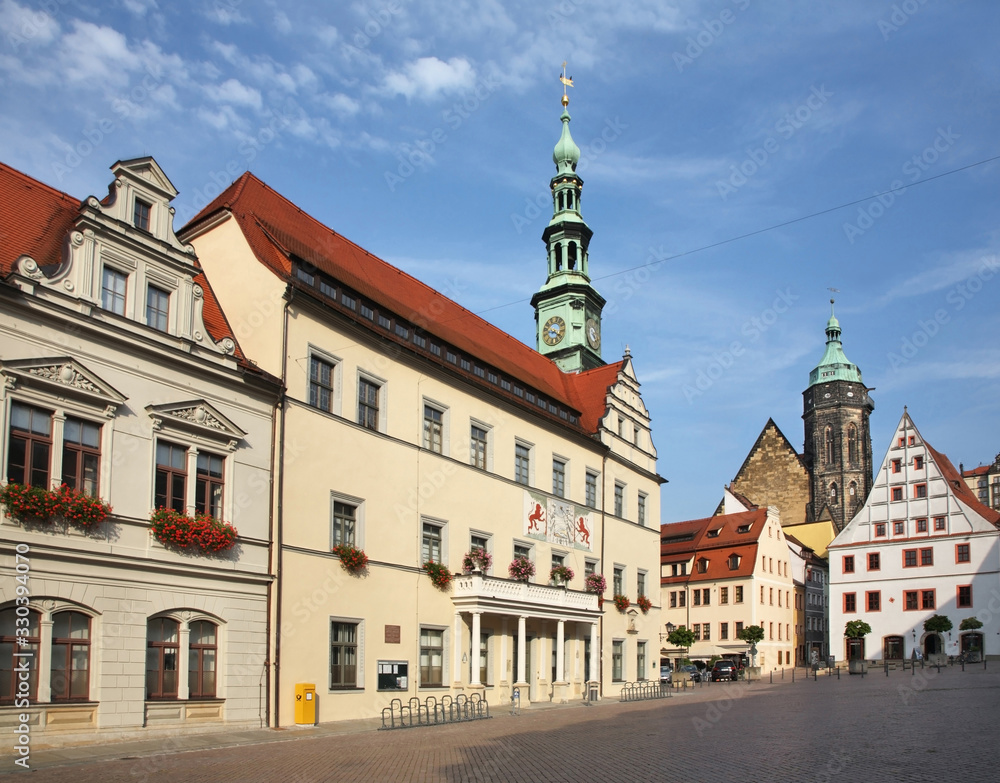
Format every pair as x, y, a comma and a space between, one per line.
149, 171
198, 417
62, 376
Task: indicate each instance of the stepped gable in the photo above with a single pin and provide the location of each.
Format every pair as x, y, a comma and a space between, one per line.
277, 230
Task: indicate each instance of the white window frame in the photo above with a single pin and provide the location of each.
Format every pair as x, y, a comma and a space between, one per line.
359, 684
336, 378
531, 461
564, 462
642, 509
383, 399
359, 516
620, 485
445, 425
596, 475
527, 545
442, 527
445, 657
488, 454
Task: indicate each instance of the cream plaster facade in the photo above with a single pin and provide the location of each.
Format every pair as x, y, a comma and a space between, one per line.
70, 355
409, 492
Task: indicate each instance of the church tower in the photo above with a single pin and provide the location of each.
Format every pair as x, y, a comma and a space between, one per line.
838, 444
567, 307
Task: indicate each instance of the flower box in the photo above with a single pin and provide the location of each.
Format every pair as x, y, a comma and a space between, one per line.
561, 574
24, 503
476, 559
201, 532
521, 569
439, 574
621, 602
595, 583
644, 603
352, 559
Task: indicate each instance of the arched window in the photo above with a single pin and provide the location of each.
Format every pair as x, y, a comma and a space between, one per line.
9, 645
561, 200
852, 444
202, 651
892, 648
70, 678
558, 257
828, 445
833, 494
853, 491
572, 256
162, 650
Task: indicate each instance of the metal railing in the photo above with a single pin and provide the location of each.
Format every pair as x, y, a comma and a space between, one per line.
645, 689
431, 712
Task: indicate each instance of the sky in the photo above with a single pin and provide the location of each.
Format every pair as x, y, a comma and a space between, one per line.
741, 159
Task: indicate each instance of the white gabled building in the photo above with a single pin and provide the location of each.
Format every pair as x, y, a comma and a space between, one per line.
921, 545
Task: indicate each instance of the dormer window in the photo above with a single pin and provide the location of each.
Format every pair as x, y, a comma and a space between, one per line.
743, 529
157, 307
734, 562
140, 214
714, 533
702, 565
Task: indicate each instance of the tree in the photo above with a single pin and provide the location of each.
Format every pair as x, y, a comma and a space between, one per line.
857, 629
937, 624
751, 635
681, 637
970, 624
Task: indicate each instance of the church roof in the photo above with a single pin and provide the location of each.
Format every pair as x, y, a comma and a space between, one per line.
277, 230
35, 220
834, 366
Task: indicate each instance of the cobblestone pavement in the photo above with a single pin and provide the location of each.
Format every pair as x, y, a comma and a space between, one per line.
905, 727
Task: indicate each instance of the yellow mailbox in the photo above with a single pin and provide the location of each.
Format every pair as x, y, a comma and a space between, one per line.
305, 703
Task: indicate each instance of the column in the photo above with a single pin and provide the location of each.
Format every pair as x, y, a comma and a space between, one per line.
522, 641
183, 662
503, 648
456, 650
476, 624
595, 675
43, 658
561, 651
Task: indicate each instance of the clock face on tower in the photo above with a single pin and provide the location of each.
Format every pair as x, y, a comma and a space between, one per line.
554, 330
593, 333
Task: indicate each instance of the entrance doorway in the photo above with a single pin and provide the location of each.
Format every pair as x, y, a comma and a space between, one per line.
972, 646
932, 645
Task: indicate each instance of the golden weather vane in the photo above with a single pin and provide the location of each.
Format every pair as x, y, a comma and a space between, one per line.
567, 82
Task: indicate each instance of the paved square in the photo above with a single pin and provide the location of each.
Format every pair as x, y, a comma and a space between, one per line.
927, 727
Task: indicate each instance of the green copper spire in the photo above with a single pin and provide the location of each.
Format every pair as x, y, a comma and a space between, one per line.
834, 366
566, 154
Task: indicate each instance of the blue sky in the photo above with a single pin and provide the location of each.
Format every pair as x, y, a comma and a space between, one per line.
424, 131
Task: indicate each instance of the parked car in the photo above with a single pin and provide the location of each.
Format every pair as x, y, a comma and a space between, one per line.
665, 674
724, 670
692, 671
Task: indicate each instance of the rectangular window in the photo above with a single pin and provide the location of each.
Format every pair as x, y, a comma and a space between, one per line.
739, 628
673, 599
162, 654
723, 595
848, 564
368, 313
384, 322
723, 632
962, 553
70, 664
430, 546
368, 393
345, 522
617, 658
874, 601
921, 525
591, 490
879, 529
706, 632
343, 655
618, 581
619, 500
157, 307
927, 557
964, 598
696, 597
927, 599
897, 465
770, 596
171, 477
113, 291
558, 478
209, 485
520, 550
900, 443
309, 279
850, 603
522, 464
910, 600
939, 523
640, 661
640, 583
477, 447
320, 384
433, 429
920, 491
738, 594
918, 462
431, 658
696, 630
641, 509
898, 528
682, 598
762, 593
911, 440
81, 455
706, 596
202, 654
140, 214
874, 561
909, 558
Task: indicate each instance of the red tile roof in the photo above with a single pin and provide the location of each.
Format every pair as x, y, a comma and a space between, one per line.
982, 470
34, 221
716, 548
960, 488
276, 230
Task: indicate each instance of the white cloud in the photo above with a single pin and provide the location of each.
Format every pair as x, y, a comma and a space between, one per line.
219, 13
429, 77
233, 91
139, 7
953, 268
342, 104
282, 23
24, 26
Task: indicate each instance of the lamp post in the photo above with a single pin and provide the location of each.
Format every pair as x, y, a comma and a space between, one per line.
670, 629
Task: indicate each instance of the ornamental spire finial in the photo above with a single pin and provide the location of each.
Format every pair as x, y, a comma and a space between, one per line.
566, 82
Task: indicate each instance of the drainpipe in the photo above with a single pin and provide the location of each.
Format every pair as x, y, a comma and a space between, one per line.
600, 651
289, 296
